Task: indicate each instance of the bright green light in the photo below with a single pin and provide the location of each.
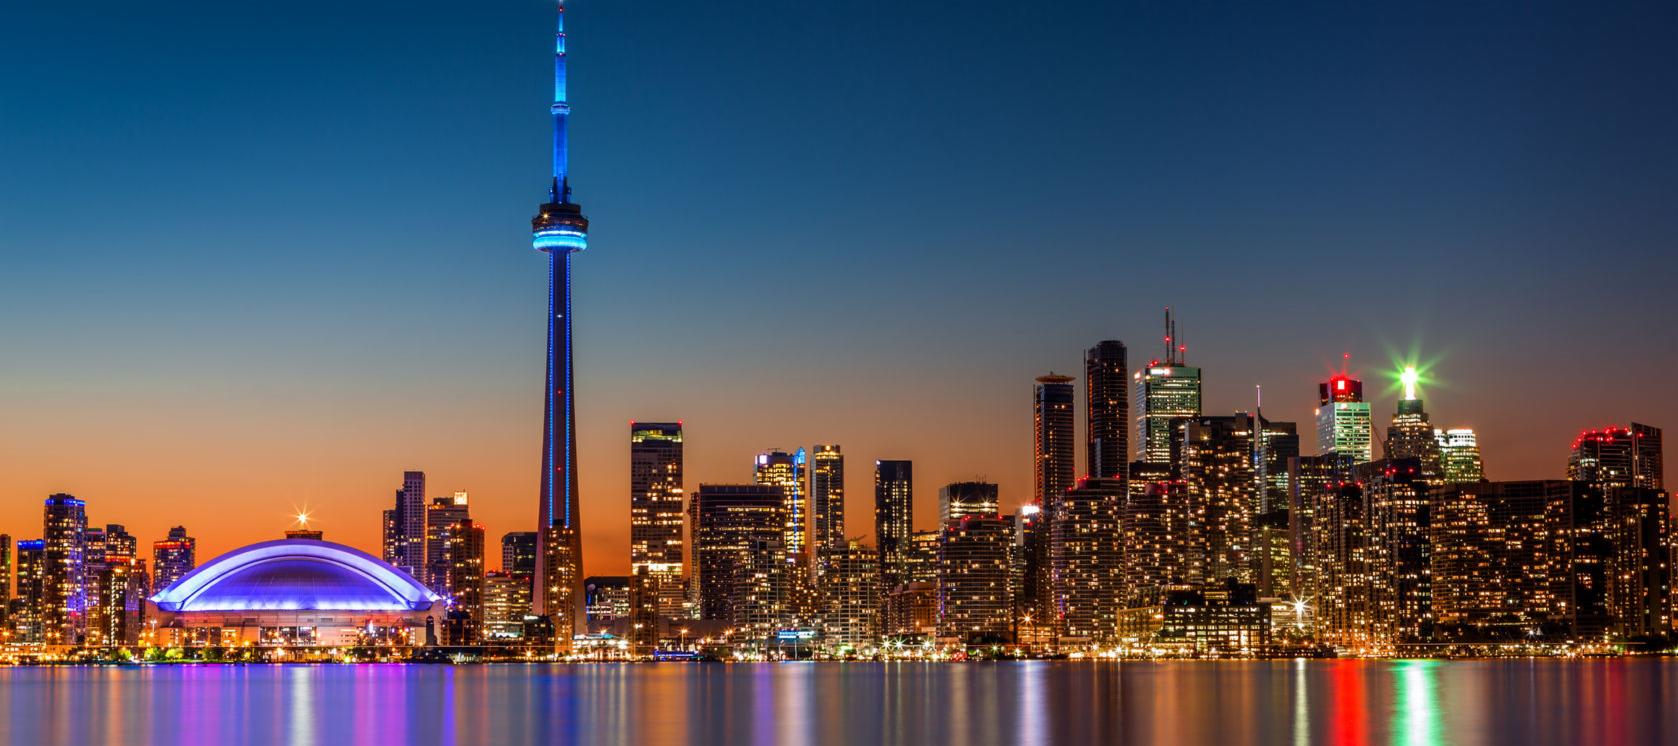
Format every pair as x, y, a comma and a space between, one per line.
1409, 378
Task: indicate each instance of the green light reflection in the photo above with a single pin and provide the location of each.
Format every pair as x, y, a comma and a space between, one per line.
1416, 714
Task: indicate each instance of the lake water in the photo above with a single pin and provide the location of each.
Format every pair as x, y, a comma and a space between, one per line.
1223, 703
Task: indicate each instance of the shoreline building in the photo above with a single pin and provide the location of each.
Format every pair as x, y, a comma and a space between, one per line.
440, 516
1166, 390
559, 230
958, 499
291, 593
655, 517
1618, 457
1086, 559
64, 601
1107, 396
1411, 435
738, 557
975, 599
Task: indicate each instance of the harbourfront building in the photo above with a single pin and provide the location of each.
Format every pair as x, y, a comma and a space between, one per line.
1086, 558
506, 604
27, 615
975, 599
64, 600
404, 526
440, 516
463, 580
739, 555
1618, 457
295, 593
655, 516
1167, 389
851, 598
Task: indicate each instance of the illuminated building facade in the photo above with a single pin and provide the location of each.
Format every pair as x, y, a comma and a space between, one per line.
958, 499
1640, 579
64, 602
1411, 435
506, 603
921, 561
294, 592
1086, 559
27, 616
5, 576
441, 516
1163, 535
1618, 457
1217, 620
827, 502
894, 501
1347, 570
1399, 513
1053, 449
1459, 456
739, 558
975, 599
1501, 560
1106, 387
1216, 456
518, 552
606, 601
1031, 579
1343, 419
787, 471
404, 526
463, 564
851, 599
1166, 390
173, 557
655, 516
559, 230
558, 593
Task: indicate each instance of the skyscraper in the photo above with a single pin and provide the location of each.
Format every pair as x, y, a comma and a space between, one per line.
958, 499
518, 552
786, 470
442, 514
28, 619
1166, 390
1343, 420
173, 557
1459, 456
738, 556
655, 515
1086, 555
5, 573
894, 500
1108, 399
560, 230
404, 526
851, 602
827, 501
975, 599
463, 565
1411, 435
1618, 457
64, 600
1053, 454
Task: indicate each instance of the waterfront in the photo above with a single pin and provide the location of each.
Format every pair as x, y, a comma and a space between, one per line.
1525, 701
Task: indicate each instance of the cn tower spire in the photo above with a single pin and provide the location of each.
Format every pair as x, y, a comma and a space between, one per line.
559, 230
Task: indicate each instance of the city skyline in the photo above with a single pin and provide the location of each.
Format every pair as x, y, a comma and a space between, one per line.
208, 410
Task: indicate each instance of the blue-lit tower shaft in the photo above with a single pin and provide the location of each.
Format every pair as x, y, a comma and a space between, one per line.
560, 230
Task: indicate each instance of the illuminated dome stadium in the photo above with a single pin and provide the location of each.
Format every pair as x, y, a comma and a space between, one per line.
295, 592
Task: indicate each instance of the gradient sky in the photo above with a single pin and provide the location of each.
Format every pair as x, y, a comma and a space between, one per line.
255, 256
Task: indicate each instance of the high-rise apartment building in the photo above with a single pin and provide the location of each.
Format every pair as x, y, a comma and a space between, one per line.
28, 613
787, 471
975, 598
506, 603
173, 557
518, 552
463, 562
404, 526
655, 517
64, 607
440, 516
894, 497
958, 499
739, 554
1053, 449
827, 502
1106, 388
851, 599
1086, 556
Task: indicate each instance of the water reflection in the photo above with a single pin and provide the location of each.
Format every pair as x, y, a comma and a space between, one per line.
1341, 702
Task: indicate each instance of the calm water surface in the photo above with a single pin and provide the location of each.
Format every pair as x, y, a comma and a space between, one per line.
1224, 703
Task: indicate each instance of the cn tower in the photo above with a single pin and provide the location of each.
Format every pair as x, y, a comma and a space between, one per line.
559, 230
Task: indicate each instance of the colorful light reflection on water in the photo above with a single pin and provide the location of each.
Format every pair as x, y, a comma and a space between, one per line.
1410, 702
